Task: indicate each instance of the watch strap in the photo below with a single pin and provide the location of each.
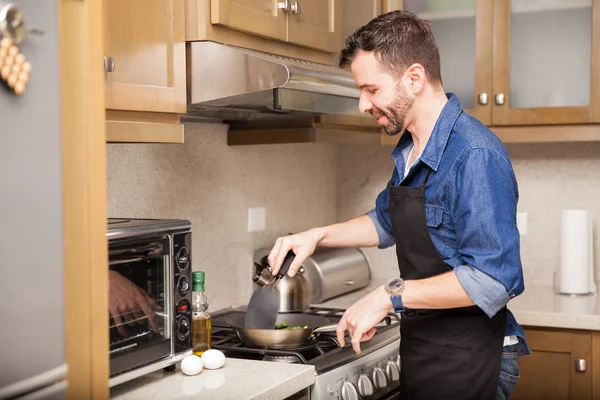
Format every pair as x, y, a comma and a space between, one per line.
397, 303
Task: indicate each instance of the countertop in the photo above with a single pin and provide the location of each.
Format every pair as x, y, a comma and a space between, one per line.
536, 307
237, 380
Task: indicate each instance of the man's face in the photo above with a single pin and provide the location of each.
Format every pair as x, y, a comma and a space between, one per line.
381, 94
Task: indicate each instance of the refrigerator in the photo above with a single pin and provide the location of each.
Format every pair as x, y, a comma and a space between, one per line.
32, 349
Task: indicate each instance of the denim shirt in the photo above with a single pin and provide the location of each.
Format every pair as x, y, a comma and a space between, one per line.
471, 199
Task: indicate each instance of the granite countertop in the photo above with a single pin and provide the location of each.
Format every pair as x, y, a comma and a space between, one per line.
237, 380
537, 306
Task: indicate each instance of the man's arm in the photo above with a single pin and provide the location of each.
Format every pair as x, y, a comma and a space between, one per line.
357, 232
437, 292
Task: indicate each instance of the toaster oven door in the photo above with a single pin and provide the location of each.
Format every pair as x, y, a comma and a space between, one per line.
139, 297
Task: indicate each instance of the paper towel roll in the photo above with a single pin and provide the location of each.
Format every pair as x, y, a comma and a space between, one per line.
576, 260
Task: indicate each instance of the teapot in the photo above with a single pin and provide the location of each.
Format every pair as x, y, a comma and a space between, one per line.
294, 293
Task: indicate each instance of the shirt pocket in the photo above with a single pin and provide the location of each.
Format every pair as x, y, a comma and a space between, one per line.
439, 230
434, 215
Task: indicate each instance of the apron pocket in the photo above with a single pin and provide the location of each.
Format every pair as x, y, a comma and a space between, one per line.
432, 372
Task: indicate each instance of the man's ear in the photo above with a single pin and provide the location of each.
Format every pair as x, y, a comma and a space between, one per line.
415, 78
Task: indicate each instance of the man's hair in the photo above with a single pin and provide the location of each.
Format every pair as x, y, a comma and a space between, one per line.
399, 39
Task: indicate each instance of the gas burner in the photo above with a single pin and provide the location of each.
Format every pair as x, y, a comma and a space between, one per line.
286, 359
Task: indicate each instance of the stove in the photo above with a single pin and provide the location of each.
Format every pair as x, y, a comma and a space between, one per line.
340, 372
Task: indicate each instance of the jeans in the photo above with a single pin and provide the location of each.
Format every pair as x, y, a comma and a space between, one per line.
509, 372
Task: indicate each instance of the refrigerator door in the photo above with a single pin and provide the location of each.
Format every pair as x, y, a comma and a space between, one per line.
31, 239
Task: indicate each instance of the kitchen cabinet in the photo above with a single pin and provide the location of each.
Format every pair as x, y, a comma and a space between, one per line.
144, 62
311, 23
554, 369
519, 62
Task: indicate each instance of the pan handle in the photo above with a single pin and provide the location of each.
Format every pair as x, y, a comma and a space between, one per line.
331, 328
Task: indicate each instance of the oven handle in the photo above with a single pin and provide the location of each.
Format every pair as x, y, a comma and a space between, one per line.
134, 254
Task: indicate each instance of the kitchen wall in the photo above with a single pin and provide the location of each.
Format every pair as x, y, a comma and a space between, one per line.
307, 185
551, 177
213, 185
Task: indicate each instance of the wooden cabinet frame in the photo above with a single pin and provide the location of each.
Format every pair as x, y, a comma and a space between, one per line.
504, 114
246, 19
154, 98
309, 35
574, 344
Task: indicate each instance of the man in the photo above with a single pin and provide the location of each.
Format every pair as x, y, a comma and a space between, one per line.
450, 208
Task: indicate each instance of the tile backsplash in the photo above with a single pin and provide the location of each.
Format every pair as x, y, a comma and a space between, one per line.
307, 185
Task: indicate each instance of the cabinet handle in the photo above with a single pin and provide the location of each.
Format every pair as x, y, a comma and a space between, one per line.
296, 9
483, 99
284, 5
109, 64
580, 365
499, 99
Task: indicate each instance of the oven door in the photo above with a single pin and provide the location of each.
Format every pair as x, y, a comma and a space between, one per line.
139, 302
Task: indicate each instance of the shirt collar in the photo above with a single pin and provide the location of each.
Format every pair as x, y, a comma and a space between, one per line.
432, 154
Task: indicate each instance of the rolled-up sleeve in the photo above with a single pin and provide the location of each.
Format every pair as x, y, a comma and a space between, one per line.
484, 208
489, 294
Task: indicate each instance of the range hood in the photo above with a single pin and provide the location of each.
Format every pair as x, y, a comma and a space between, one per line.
250, 89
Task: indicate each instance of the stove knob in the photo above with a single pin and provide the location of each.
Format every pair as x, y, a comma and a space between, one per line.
392, 371
379, 378
349, 391
183, 329
182, 258
183, 286
398, 362
365, 386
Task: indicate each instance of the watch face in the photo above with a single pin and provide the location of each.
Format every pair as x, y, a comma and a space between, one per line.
395, 285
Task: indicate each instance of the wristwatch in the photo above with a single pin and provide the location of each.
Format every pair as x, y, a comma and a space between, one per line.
394, 288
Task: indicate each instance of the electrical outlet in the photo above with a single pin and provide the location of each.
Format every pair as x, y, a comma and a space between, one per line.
256, 219
522, 223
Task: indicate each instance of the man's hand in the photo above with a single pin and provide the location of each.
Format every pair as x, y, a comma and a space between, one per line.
129, 302
362, 316
302, 244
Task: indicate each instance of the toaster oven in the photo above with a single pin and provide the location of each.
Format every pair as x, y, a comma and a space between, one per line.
149, 295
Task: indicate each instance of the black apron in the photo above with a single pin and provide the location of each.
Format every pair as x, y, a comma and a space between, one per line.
445, 354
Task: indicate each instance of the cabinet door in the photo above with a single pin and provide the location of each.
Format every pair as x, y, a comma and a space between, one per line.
260, 17
146, 41
315, 23
549, 372
463, 32
546, 62
356, 13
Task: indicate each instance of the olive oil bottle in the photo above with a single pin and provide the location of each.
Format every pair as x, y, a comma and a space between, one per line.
201, 325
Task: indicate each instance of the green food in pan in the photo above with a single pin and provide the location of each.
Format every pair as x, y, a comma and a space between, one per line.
284, 325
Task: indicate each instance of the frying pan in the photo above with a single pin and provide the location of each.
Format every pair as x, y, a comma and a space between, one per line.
281, 338
285, 338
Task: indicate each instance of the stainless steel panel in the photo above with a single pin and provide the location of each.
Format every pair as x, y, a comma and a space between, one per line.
240, 80
332, 272
31, 234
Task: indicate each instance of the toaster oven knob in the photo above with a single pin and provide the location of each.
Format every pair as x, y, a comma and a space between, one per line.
182, 258
349, 391
392, 371
379, 378
183, 286
183, 329
365, 386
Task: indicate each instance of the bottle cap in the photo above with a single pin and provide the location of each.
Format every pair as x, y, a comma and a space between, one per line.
198, 281
198, 277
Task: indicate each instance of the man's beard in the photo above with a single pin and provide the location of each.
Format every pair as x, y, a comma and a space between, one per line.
395, 113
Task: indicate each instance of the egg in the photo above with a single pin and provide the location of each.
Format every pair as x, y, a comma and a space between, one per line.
213, 359
191, 365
